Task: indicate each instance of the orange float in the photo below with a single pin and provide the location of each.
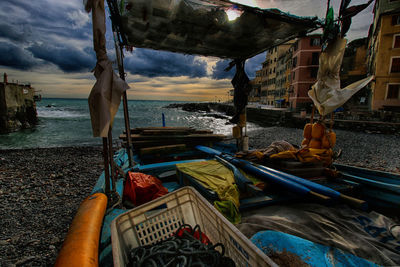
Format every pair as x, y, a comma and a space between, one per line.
81, 246
318, 130
329, 140
315, 143
307, 131
305, 142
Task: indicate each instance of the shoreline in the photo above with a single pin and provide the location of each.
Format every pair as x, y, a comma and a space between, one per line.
362, 121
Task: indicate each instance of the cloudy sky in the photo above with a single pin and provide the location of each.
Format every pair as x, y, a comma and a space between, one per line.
49, 44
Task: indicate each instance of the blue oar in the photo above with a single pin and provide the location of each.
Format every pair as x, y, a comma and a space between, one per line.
292, 186
270, 174
318, 188
244, 184
391, 187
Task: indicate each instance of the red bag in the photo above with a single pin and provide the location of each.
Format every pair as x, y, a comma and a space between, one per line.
140, 188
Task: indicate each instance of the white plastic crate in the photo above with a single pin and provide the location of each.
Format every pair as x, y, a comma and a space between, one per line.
144, 225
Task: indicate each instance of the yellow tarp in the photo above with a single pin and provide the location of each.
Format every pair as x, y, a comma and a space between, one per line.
215, 176
307, 155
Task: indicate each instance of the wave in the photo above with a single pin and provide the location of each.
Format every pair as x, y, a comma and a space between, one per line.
59, 113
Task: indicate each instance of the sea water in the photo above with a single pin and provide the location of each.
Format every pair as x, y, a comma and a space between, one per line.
66, 122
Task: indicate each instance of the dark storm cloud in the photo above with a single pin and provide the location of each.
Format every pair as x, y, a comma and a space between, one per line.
218, 71
58, 29
52, 31
14, 33
16, 57
156, 63
252, 64
68, 59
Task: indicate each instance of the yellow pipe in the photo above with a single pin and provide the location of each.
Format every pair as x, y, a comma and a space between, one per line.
81, 246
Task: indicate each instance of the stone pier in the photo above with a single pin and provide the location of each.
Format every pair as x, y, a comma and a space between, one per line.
17, 106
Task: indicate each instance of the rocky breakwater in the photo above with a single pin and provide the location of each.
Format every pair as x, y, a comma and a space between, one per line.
17, 107
369, 122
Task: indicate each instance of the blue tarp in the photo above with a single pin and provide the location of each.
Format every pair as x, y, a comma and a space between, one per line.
311, 253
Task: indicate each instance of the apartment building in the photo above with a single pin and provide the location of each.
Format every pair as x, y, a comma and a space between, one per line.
255, 93
271, 58
384, 55
354, 68
305, 62
273, 72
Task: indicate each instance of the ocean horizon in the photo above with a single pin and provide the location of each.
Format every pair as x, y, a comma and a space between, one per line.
66, 122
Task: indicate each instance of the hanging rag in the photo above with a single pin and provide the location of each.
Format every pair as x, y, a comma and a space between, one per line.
105, 96
326, 92
242, 88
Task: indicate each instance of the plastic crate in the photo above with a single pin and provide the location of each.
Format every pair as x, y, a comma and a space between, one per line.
146, 225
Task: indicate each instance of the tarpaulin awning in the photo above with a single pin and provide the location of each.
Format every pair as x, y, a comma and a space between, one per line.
203, 27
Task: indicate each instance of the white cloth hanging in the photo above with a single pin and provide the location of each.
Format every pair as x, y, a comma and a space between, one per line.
326, 92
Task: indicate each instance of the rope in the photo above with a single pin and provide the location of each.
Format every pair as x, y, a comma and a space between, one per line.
312, 114
182, 249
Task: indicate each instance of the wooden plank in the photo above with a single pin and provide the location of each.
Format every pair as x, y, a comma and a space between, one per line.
165, 132
138, 137
171, 129
188, 143
140, 129
205, 131
162, 149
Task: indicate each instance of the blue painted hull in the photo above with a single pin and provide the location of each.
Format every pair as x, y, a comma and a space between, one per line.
379, 188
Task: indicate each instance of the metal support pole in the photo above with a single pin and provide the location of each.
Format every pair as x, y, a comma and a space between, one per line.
110, 155
118, 50
106, 167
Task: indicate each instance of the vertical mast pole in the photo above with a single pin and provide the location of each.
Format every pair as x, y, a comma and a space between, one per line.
106, 167
118, 50
111, 160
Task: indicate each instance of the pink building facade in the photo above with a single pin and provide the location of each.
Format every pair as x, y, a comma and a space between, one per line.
305, 62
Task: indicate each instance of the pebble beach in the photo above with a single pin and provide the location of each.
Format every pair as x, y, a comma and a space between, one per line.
41, 189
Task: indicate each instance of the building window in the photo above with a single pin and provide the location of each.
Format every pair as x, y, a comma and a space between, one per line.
393, 91
314, 72
395, 65
293, 76
315, 58
274, 70
396, 20
315, 41
295, 46
396, 41
294, 62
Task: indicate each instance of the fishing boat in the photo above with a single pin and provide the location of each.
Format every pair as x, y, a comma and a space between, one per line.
282, 207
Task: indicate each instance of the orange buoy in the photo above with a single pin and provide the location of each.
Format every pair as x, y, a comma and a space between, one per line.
305, 142
81, 246
318, 130
315, 143
329, 140
307, 131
